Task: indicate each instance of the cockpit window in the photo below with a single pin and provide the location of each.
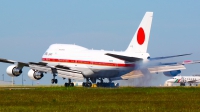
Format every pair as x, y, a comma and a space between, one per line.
46, 53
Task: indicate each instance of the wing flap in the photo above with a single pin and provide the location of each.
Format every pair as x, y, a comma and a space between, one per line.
130, 75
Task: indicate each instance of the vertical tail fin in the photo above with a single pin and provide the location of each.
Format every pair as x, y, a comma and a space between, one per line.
139, 42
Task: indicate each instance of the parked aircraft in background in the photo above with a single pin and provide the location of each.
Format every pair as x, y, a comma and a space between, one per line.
184, 79
77, 62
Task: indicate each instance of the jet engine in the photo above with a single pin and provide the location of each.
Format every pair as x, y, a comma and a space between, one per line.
172, 73
35, 75
13, 71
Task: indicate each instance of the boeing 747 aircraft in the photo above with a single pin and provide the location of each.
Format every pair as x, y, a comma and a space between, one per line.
77, 62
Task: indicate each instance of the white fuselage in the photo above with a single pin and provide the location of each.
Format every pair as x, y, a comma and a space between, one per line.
184, 79
75, 56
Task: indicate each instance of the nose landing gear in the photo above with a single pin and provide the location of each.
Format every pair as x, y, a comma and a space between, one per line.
54, 80
69, 84
54, 75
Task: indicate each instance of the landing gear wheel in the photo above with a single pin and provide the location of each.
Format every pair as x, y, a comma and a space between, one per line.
182, 84
69, 85
89, 85
54, 75
54, 81
85, 84
66, 84
72, 84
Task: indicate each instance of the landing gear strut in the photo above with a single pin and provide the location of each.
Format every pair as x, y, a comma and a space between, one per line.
182, 84
69, 84
101, 83
54, 80
87, 83
104, 84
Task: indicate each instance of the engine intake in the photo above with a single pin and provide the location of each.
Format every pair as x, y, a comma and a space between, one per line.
13, 71
172, 73
35, 75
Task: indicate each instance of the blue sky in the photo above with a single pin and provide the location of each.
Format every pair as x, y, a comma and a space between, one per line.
27, 28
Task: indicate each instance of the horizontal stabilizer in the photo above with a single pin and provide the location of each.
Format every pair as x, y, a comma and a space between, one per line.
125, 58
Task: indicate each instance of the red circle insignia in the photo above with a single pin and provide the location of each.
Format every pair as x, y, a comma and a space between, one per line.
140, 36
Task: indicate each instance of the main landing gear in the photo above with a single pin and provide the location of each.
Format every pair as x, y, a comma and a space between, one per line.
182, 84
87, 83
98, 84
104, 84
69, 84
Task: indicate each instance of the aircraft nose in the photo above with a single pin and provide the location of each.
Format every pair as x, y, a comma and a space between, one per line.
171, 80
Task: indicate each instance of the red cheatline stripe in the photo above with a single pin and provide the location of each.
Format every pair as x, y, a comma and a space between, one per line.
88, 62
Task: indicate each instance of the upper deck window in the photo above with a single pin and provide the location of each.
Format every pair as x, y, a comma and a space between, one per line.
49, 54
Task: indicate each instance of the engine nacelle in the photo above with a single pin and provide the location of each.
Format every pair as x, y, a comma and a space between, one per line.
172, 73
13, 71
35, 75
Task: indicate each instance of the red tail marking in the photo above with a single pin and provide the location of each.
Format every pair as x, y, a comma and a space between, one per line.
140, 36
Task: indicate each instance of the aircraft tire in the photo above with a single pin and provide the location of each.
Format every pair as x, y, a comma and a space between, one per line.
52, 81
66, 84
182, 84
55, 81
72, 84
83, 84
89, 84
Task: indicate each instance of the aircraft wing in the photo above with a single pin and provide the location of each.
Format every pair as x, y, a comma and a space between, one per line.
65, 71
21, 64
182, 62
147, 71
164, 67
166, 57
